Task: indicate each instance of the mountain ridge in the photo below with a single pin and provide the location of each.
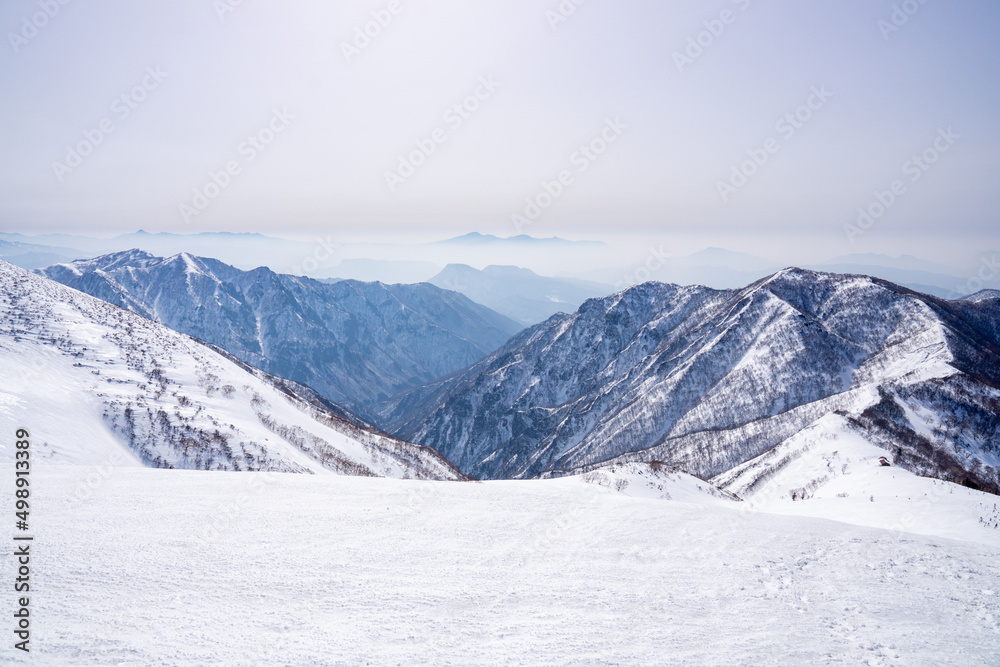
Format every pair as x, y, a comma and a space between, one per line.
657, 369
102, 385
353, 342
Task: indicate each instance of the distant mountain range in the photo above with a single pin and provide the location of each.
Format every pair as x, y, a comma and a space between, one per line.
983, 295
475, 238
725, 269
355, 343
328, 257
520, 294
101, 386
34, 256
385, 271
707, 380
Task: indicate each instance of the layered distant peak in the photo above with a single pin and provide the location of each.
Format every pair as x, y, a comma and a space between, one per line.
518, 293
353, 342
110, 262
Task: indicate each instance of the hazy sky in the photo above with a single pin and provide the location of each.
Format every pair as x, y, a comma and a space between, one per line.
200, 77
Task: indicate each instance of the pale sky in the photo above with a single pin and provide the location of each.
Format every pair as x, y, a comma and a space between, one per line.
198, 81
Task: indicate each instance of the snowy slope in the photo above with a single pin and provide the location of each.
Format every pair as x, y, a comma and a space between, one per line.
706, 380
829, 470
657, 481
96, 384
153, 567
352, 342
982, 295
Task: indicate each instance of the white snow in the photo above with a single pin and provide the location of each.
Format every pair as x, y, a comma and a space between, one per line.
832, 472
137, 566
642, 480
189, 264
920, 419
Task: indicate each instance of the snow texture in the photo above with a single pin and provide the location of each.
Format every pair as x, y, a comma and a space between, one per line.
152, 567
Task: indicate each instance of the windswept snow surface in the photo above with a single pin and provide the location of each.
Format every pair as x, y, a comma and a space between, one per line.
138, 566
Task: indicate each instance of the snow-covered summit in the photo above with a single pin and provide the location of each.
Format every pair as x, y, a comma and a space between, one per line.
706, 380
982, 295
353, 342
109, 262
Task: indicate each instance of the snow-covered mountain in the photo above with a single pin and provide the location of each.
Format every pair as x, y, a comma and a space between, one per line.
98, 385
706, 380
940, 282
830, 470
352, 342
520, 294
982, 295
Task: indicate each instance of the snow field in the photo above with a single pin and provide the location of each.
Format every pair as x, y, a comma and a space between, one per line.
170, 567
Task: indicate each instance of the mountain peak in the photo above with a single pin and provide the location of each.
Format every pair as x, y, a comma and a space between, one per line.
191, 264
114, 260
705, 379
355, 343
982, 295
